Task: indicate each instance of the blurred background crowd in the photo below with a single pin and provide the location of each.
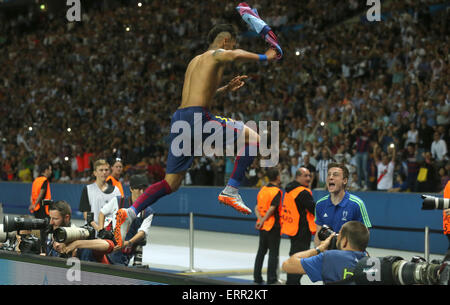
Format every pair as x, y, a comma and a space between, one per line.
347, 89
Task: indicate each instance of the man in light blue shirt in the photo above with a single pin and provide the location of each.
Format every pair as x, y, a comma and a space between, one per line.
339, 206
321, 264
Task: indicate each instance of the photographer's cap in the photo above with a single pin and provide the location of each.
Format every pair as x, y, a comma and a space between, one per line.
138, 181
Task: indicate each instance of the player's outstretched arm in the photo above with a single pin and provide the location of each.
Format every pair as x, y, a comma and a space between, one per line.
224, 56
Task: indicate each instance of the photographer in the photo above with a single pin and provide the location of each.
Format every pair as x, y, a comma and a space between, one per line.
60, 216
339, 206
330, 266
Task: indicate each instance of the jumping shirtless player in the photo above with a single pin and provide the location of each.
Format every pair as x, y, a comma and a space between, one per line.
202, 79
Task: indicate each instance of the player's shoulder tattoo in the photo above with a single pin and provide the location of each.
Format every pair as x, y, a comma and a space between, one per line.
217, 52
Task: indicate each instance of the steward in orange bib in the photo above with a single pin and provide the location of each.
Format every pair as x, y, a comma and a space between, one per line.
446, 220
297, 216
267, 211
116, 171
40, 190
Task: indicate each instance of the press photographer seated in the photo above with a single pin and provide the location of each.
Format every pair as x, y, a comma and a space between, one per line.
60, 215
321, 264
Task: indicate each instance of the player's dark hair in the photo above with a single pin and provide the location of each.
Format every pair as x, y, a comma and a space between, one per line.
221, 28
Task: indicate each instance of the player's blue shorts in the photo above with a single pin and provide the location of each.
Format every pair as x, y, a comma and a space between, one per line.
192, 130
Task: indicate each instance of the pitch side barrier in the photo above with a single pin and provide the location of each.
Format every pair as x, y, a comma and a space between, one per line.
28, 269
426, 231
397, 218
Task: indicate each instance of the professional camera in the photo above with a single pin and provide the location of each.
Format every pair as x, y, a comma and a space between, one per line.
11, 224
394, 270
434, 203
30, 244
6, 236
70, 234
324, 233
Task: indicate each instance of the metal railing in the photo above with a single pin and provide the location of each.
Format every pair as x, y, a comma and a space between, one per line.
191, 216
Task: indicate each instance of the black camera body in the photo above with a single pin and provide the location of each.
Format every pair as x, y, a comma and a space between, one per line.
435, 203
30, 244
324, 233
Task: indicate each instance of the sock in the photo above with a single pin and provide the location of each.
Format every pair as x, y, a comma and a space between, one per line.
230, 190
241, 164
149, 197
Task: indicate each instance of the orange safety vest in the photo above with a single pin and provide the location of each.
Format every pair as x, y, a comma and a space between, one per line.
264, 200
446, 220
36, 189
290, 216
117, 183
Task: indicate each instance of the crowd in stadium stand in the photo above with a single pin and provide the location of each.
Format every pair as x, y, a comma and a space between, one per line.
106, 87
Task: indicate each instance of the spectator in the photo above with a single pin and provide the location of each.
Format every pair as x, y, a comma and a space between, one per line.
306, 164
427, 178
353, 182
322, 166
409, 82
425, 136
412, 164
400, 184
385, 169
64, 177
362, 135
439, 149
412, 135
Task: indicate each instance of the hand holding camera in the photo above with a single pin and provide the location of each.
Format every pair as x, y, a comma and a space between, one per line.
328, 237
325, 244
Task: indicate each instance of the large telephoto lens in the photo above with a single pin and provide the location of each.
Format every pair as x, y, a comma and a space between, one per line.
11, 224
70, 234
5, 236
408, 273
434, 203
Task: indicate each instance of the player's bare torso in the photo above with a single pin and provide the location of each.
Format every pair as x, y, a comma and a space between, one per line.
203, 77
